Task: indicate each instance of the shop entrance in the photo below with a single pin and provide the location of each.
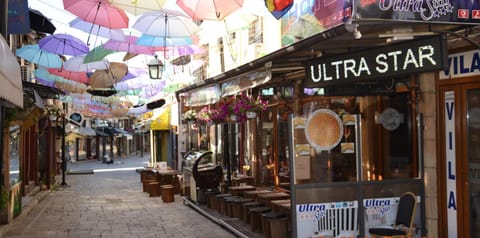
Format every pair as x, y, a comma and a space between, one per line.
460, 159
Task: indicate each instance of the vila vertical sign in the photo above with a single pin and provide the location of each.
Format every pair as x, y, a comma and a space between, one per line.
450, 158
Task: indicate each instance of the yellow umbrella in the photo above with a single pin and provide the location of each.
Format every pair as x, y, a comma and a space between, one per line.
106, 78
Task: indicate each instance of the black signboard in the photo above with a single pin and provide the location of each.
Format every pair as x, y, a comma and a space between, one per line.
411, 57
465, 11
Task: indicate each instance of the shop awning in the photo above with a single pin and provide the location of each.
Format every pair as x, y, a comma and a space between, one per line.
202, 96
246, 81
85, 131
105, 131
10, 77
162, 121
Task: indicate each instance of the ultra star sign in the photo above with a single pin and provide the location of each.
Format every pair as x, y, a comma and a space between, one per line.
405, 58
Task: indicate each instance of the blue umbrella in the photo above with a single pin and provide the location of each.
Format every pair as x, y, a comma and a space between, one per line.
34, 54
150, 40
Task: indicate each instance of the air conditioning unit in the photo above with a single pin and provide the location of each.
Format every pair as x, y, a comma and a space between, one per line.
26, 72
253, 51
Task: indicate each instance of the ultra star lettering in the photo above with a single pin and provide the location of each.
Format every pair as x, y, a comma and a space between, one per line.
393, 61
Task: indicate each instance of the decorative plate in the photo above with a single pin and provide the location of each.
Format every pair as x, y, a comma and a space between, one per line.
324, 129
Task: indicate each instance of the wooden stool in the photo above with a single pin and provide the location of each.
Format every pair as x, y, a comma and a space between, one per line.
168, 193
271, 216
246, 206
255, 217
211, 198
154, 189
145, 184
221, 201
228, 205
237, 207
279, 227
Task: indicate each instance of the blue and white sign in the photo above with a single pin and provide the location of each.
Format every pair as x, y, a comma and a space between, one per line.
462, 65
450, 159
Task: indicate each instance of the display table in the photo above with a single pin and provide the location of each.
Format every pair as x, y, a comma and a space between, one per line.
268, 197
239, 190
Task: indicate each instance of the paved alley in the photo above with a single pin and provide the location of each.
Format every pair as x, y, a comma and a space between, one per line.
110, 203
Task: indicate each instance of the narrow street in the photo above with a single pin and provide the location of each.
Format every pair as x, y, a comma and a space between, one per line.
110, 203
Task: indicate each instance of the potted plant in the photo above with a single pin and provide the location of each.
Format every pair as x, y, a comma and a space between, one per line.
246, 106
190, 115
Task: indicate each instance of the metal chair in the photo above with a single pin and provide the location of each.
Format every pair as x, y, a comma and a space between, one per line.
403, 226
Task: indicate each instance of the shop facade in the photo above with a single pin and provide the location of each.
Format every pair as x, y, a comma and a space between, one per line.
355, 118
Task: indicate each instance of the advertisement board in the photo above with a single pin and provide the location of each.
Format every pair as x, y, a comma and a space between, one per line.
462, 11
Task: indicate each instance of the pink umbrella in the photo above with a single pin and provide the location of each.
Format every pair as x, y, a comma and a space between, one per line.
98, 12
80, 77
209, 9
129, 45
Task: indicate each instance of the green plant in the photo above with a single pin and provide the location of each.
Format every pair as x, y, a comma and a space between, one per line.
4, 195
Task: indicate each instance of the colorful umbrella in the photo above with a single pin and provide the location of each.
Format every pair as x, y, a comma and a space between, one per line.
63, 44
166, 23
80, 77
99, 30
137, 7
76, 64
108, 77
98, 53
209, 9
278, 8
34, 54
129, 45
149, 40
177, 51
99, 12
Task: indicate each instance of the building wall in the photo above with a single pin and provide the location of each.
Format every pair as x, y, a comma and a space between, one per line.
426, 107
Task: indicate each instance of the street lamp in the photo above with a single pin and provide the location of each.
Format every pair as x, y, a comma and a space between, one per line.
155, 68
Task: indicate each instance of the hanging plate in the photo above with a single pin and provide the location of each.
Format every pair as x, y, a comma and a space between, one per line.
324, 129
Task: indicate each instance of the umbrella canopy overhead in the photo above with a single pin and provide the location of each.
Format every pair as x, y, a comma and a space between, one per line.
77, 64
166, 23
99, 12
209, 9
96, 54
106, 78
99, 30
34, 54
63, 44
149, 40
40, 23
138, 7
129, 45
80, 77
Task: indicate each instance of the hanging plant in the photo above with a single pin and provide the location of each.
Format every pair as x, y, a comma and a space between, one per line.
190, 115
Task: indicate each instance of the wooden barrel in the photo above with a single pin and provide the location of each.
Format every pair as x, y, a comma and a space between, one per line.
168, 192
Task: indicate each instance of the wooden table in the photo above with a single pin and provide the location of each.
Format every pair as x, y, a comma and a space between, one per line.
282, 205
254, 193
242, 179
239, 190
268, 197
167, 176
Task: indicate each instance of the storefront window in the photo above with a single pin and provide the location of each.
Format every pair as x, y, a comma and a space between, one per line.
14, 154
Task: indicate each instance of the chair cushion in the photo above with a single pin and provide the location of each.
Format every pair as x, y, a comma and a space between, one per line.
386, 232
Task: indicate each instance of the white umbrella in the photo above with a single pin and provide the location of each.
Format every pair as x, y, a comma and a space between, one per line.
166, 23
76, 64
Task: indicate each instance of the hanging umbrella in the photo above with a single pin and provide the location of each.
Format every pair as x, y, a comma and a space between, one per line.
76, 64
34, 54
63, 44
106, 78
138, 7
279, 8
209, 9
80, 77
102, 92
128, 46
99, 30
96, 54
165, 23
98, 12
149, 40
177, 51
40, 23
182, 60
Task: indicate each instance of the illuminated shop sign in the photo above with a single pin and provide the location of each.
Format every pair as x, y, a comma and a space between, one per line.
410, 57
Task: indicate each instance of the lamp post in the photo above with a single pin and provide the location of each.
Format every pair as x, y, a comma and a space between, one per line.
155, 68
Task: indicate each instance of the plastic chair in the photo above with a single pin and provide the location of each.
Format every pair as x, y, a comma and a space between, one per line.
403, 226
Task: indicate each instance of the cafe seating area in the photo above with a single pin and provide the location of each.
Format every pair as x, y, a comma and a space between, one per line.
160, 183
252, 211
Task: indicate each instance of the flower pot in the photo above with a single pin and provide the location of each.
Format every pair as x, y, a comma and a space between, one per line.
52, 117
234, 118
251, 115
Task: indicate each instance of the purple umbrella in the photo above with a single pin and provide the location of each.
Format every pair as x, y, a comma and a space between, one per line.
63, 44
129, 45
